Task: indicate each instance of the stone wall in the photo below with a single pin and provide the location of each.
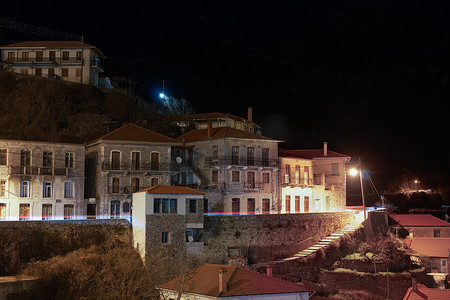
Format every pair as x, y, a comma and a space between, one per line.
278, 231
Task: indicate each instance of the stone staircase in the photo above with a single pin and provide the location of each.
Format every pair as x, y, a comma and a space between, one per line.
349, 228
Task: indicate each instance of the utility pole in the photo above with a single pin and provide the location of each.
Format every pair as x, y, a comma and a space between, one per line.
362, 188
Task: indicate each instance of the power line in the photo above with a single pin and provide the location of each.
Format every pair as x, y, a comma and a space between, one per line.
37, 30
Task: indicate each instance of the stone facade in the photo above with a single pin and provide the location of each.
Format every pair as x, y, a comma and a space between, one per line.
41, 180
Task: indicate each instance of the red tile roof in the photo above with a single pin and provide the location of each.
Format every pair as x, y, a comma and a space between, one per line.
310, 153
204, 280
422, 220
134, 133
426, 293
172, 190
431, 246
218, 133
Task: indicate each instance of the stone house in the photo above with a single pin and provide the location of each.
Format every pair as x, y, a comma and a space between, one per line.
437, 251
419, 225
167, 219
126, 160
312, 180
308, 184
211, 281
236, 166
41, 180
72, 61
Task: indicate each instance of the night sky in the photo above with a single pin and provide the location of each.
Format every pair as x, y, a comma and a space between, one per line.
371, 78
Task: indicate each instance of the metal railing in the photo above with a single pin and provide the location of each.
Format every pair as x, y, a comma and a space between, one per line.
31, 170
241, 161
142, 167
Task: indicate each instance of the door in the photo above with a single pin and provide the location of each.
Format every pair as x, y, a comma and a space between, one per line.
306, 204
115, 209
251, 206
266, 206
91, 211
46, 211
52, 55
24, 211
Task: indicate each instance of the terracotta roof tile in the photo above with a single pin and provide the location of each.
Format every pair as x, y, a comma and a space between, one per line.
172, 190
426, 293
219, 132
204, 280
310, 153
134, 133
421, 220
48, 44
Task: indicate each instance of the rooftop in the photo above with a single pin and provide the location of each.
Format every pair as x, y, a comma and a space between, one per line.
52, 44
310, 154
421, 220
172, 190
210, 116
218, 133
426, 293
134, 133
204, 280
431, 246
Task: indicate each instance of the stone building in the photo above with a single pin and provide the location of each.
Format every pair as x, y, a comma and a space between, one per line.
168, 219
236, 166
312, 180
41, 180
126, 160
68, 60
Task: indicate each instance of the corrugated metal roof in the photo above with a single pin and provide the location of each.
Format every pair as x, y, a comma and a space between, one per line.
204, 280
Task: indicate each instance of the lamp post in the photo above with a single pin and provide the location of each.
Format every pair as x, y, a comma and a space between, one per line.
354, 172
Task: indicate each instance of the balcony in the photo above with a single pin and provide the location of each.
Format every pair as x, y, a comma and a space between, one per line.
47, 61
298, 182
31, 170
242, 161
238, 186
142, 168
125, 189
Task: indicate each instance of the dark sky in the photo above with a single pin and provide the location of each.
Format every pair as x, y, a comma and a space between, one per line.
369, 77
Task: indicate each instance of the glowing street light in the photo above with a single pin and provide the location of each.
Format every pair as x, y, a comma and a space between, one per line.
353, 172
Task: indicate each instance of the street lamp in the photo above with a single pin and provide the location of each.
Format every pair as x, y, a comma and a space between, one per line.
354, 172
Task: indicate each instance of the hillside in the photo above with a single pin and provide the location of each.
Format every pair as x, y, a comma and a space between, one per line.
33, 108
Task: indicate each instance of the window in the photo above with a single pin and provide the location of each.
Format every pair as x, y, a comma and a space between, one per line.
135, 160
115, 160
250, 206
306, 204
78, 55
154, 161
126, 207
235, 176
115, 185
297, 204
266, 177
306, 175
154, 181
24, 71
115, 210
70, 159
47, 163
68, 189
51, 72
25, 158
46, 211
78, 72
25, 56
38, 71
165, 235
235, 205
287, 204
51, 55
25, 189
2, 211
251, 179
3, 157
2, 188
134, 184
11, 56
250, 156
334, 169
215, 152
297, 175
437, 233
214, 176
266, 206
287, 173
47, 189
65, 55
235, 155
69, 211
39, 55
64, 72
165, 206
24, 211
192, 206
265, 157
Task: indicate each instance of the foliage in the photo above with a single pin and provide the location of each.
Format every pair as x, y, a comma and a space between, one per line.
9, 254
94, 273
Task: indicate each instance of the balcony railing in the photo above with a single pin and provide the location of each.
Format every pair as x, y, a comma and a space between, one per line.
31, 170
241, 161
238, 186
142, 167
298, 181
125, 189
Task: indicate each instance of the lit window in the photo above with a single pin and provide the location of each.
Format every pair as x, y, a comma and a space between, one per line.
25, 189
46, 211
69, 211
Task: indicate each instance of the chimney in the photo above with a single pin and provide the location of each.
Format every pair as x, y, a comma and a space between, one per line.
269, 270
325, 148
414, 283
250, 114
222, 280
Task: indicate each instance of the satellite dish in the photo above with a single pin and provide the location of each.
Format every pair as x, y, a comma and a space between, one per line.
179, 160
190, 239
